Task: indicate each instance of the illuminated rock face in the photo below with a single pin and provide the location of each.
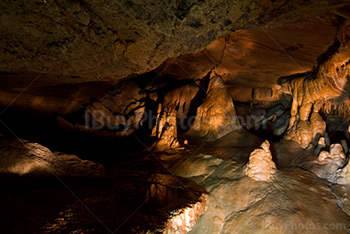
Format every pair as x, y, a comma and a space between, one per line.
184, 220
116, 39
211, 189
27, 158
167, 136
335, 155
216, 117
312, 95
260, 166
170, 191
173, 113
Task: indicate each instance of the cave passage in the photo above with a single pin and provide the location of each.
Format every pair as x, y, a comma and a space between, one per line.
175, 117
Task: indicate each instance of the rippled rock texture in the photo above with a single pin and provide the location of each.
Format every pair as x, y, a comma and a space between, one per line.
116, 39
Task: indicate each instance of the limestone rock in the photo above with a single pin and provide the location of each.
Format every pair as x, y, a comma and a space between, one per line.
22, 157
344, 175
335, 155
328, 165
173, 113
89, 38
320, 145
184, 220
216, 116
324, 156
281, 206
248, 59
317, 125
336, 151
184, 198
167, 136
260, 166
119, 111
330, 83
303, 134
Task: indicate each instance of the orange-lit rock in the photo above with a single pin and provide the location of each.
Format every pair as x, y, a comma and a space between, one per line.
173, 113
317, 125
330, 165
117, 39
216, 116
260, 166
302, 134
167, 134
183, 221
258, 56
184, 198
335, 155
315, 93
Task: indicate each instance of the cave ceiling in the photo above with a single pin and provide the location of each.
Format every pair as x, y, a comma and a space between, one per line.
116, 39
59, 49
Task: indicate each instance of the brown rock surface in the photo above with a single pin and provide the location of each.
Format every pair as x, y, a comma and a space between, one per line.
239, 204
116, 39
330, 84
26, 158
260, 56
168, 192
260, 166
216, 116
167, 136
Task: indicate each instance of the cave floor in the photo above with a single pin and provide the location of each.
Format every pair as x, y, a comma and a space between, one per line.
296, 201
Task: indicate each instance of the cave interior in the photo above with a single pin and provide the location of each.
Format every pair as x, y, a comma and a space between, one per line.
182, 116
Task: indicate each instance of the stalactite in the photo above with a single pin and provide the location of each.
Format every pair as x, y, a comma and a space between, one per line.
310, 95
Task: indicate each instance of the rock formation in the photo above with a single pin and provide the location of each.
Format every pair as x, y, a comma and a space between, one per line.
88, 39
174, 113
119, 111
216, 117
167, 134
21, 157
148, 116
329, 164
311, 94
260, 166
169, 191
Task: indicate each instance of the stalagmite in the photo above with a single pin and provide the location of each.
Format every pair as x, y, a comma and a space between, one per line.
260, 166
317, 125
320, 145
216, 116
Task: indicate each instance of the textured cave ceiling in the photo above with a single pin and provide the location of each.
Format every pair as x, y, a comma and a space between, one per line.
50, 49
115, 39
